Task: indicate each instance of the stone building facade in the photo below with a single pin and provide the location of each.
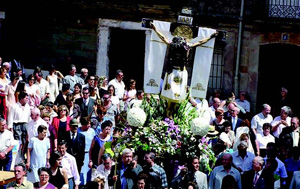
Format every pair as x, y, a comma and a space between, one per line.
91, 33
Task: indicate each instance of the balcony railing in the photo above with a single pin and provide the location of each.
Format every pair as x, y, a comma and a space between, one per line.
284, 9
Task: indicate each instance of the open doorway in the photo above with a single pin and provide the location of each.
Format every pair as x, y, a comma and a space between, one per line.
127, 52
277, 69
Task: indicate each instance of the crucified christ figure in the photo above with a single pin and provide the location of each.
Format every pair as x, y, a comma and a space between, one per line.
174, 87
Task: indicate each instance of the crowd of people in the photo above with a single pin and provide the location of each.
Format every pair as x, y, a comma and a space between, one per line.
67, 131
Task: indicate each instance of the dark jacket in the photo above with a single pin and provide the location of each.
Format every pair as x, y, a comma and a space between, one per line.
85, 110
76, 148
130, 175
286, 137
265, 180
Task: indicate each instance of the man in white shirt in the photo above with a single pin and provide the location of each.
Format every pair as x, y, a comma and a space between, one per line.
43, 87
18, 118
244, 103
6, 145
212, 109
119, 85
34, 123
69, 163
259, 119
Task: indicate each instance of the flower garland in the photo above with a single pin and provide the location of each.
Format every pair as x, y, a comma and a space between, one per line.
147, 129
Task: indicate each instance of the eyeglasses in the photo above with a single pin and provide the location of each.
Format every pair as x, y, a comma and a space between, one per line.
221, 115
85, 93
64, 109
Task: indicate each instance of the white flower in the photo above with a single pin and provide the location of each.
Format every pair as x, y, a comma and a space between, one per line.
199, 126
136, 117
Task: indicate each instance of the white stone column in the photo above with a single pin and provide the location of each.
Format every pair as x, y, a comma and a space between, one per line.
147, 47
102, 65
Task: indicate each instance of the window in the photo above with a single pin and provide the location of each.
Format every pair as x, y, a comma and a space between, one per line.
216, 70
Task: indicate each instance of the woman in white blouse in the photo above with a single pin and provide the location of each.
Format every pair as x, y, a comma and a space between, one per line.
264, 139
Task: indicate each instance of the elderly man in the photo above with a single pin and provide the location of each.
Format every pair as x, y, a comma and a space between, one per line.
84, 74
281, 121
261, 176
8, 68
259, 119
34, 123
219, 172
289, 136
157, 175
76, 143
103, 170
242, 160
6, 145
126, 173
21, 181
72, 78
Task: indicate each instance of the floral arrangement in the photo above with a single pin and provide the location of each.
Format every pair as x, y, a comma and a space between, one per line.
136, 117
148, 129
207, 157
199, 126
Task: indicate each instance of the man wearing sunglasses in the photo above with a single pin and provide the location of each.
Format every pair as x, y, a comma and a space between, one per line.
85, 103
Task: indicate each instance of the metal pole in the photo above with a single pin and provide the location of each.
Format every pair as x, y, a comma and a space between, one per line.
237, 65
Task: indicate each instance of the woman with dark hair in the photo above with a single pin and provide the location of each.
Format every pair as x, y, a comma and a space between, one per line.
130, 92
77, 91
33, 92
74, 109
264, 139
98, 141
114, 99
58, 176
52, 78
44, 183
195, 175
229, 182
143, 181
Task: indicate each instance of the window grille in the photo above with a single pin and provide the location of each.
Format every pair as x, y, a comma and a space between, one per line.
284, 9
216, 70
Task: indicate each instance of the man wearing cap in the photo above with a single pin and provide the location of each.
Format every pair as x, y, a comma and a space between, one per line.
76, 143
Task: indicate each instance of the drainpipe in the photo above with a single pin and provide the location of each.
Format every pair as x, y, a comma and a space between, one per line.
237, 64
